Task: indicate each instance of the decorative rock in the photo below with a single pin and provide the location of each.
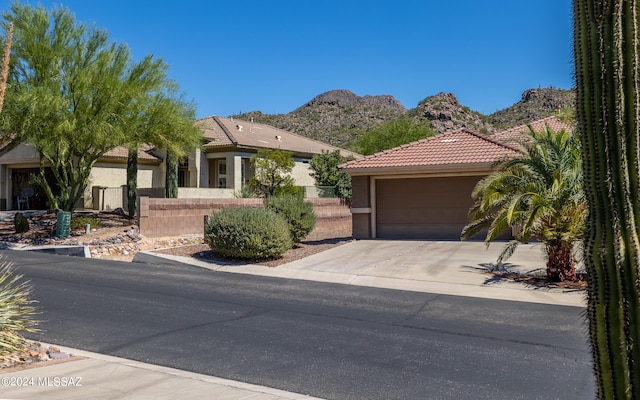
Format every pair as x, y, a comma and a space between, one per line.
58, 355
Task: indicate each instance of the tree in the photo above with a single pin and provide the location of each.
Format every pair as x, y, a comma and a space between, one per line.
326, 173
606, 40
272, 171
166, 122
391, 134
4, 72
538, 194
171, 181
74, 96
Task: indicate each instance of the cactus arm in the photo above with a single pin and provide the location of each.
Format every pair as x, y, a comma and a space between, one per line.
608, 111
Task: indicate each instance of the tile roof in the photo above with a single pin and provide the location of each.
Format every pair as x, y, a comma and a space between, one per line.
518, 133
225, 132
457, 147
122, 153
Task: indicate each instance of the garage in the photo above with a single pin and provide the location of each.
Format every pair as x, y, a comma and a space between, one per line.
423, 208
421, 190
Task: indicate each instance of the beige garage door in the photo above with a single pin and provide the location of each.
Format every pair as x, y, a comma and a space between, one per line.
423, 208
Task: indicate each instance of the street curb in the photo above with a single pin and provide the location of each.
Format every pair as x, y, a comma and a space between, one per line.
75, 251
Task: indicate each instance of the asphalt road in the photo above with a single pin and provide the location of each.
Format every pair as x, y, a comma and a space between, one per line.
326, 340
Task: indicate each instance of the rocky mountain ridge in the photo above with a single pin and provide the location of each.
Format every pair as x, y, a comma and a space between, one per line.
339, 116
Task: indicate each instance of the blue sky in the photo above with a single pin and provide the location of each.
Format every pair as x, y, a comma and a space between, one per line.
274, 56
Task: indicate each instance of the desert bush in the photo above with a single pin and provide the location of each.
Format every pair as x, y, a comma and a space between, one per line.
247, 233
245, 192
81, 222
299, 214
21, 223
16, 310
289, 190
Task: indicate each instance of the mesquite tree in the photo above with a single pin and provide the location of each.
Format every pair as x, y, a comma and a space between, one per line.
608, 113
74, 95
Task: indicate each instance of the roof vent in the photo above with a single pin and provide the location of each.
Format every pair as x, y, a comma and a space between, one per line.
279, 138
239, 127
448, 140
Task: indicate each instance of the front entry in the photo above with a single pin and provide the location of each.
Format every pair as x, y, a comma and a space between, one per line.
26, 193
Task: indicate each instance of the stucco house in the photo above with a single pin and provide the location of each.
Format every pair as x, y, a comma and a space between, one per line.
19, 165
217, 170
223, 163
422, 190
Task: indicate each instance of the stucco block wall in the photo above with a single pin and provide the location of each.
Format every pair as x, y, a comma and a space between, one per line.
300, 174
360, 192
360, 200
361, 226
171, 217
115, 175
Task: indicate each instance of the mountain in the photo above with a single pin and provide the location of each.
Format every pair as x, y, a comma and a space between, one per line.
337, 116
333, 117
535, 104
445, 113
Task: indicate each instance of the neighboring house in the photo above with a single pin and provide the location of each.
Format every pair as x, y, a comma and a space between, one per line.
217, 170
223, 164
19, 165
519, 133
422, 190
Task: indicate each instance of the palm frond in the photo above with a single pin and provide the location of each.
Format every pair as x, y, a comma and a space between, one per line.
539, 193
507, 252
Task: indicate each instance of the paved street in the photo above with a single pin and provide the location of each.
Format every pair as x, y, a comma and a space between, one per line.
328, 340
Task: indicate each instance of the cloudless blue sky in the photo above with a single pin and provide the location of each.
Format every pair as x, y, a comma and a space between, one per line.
236, 56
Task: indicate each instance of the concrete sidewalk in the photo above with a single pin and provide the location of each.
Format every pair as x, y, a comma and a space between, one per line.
97, 376
455, 268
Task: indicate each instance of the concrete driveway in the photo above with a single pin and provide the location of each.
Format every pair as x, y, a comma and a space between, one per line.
445, 267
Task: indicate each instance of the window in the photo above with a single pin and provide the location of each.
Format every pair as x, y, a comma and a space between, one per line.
221, 173
183, 173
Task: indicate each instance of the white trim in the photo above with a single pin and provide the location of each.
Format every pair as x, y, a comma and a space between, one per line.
361, 210
433, 170
440, 175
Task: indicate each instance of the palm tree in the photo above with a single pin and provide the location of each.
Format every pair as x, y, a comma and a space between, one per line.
539, 196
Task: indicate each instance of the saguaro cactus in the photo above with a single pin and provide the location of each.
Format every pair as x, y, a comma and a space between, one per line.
608, 112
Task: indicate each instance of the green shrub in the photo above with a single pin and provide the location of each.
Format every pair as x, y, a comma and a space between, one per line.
299, 214
16, 310
20, 223
81, 222
245, 192
289, 190
247, 233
